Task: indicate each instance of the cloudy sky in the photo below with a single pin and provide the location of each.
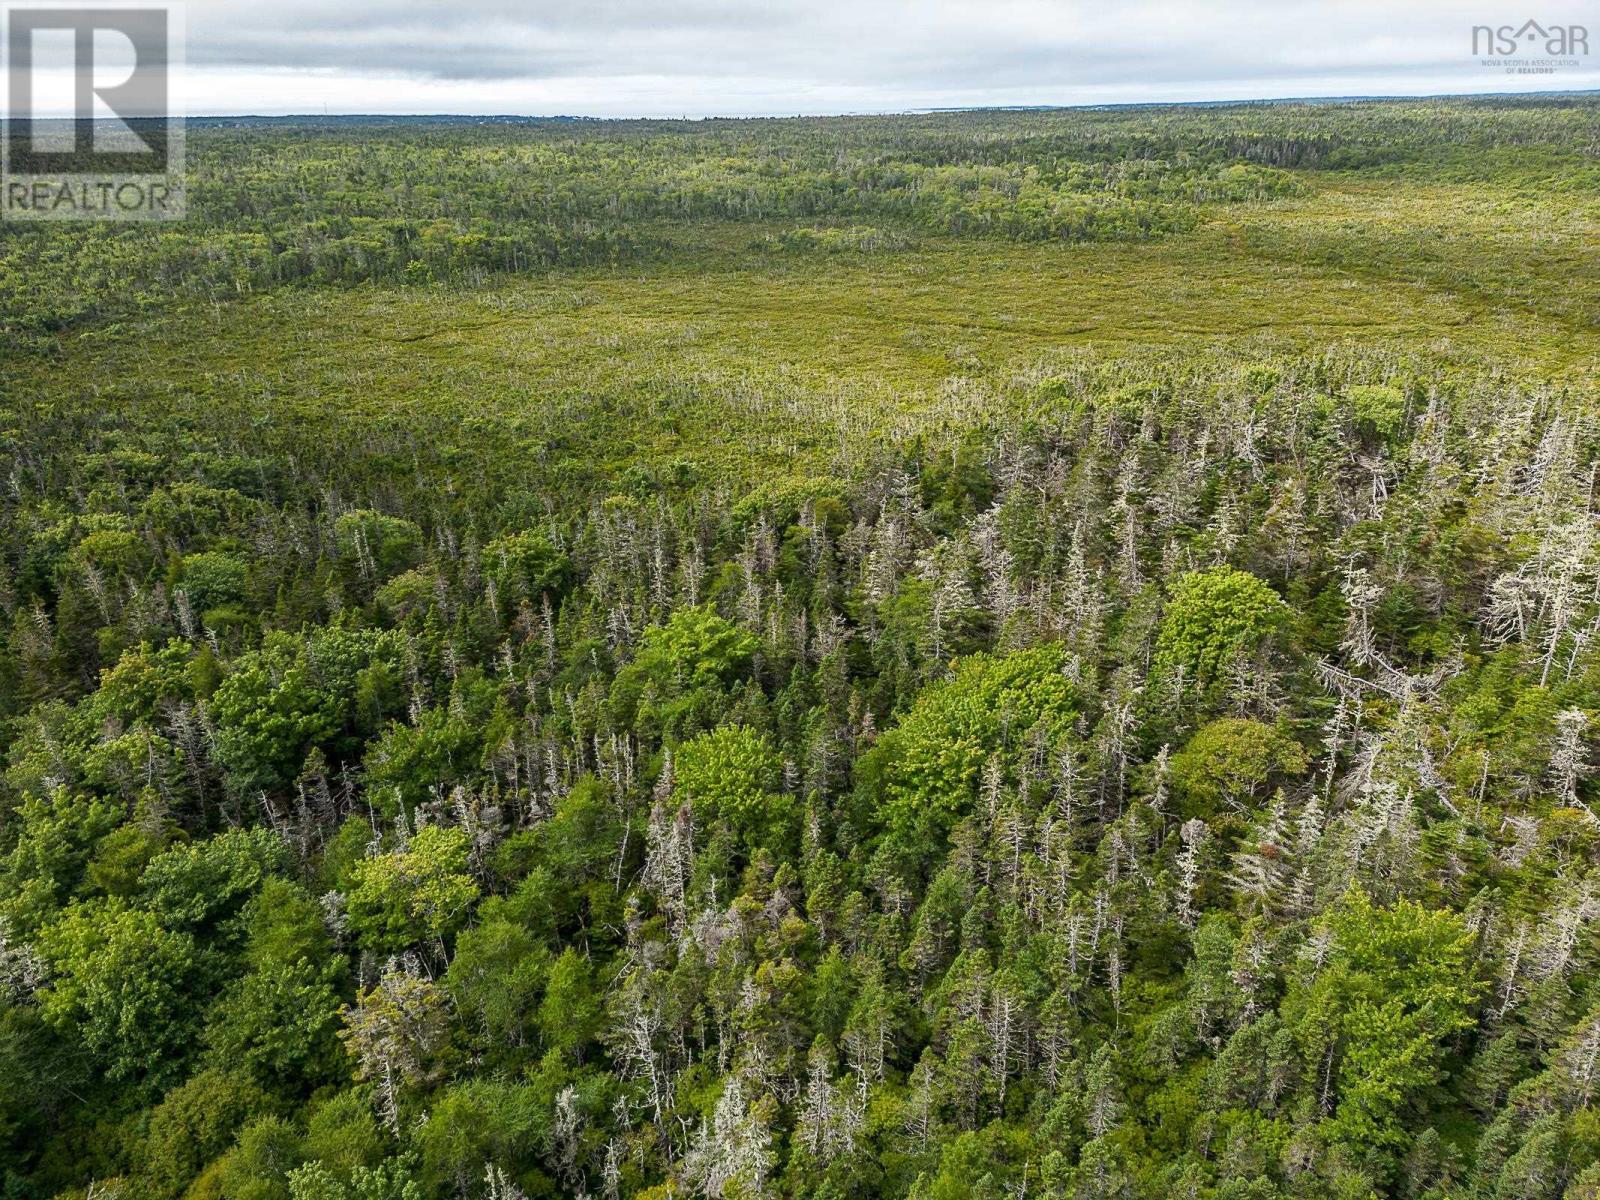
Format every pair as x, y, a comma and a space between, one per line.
759, 57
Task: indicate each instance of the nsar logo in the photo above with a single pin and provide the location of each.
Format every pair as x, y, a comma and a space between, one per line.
1530, 48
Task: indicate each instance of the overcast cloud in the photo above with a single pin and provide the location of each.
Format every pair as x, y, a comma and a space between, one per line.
718, 57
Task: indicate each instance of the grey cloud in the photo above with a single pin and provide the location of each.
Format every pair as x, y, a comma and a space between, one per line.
483, 39
929, 49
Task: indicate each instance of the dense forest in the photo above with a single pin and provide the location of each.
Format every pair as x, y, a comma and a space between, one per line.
1055, 764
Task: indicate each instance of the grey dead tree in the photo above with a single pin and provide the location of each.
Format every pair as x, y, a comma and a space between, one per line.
1564, 934
947, 568
22, 971
661, 561
1102, 1094
1161, 769
1569, 758
1382, 835
1361, 596
1402, 749
920, 1101
832, 1112
1309, 828
1548, 594
996, 568
1286, 525
638, 1023
611, 1173
1080, 596
1194, 834
1261, 867
669, 850
1126, 511
567, 1130
394, 1032
499, 1186
732, 1154
1004, 1025
1579, 1060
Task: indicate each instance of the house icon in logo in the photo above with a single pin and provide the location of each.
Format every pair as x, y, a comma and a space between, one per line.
1530, 31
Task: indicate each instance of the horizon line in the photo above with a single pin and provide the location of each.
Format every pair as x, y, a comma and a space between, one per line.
931, 110
1340, 98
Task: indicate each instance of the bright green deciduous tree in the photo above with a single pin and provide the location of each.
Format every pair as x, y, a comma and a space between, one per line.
412, 895
495, 979
526, 564
1400, 984
278, 1024
573, 1010
124, 984
1379, 411
732, 774
1226, 761
258, 1166
269, 711
213, 578
54, 842
283, 924
1213, 618
376, 545
292, 694
926, 769
681, 670
390, 1180
193, 1124
202, 882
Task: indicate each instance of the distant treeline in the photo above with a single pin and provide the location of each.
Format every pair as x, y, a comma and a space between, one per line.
345, 202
